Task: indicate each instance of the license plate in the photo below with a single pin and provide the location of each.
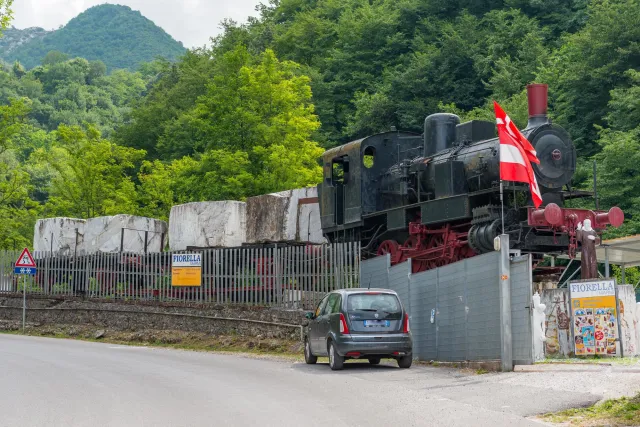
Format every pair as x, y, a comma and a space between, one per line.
377, 323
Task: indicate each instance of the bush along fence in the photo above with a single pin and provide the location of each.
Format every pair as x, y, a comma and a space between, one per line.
295, 276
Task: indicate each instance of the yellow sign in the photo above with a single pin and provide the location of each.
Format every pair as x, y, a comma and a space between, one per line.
594, 317
186, 270
186, 276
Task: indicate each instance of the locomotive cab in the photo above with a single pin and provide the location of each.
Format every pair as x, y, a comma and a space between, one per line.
351, 172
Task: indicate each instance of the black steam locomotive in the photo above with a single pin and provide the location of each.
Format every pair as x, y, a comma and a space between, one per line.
435, 197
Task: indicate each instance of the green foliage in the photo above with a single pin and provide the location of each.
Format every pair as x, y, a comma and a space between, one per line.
591, 63
72, 92
249, 133
5, 14
80, 138
92, 175
175, 90
114, 34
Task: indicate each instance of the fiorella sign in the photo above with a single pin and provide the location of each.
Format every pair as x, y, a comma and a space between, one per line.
186, 270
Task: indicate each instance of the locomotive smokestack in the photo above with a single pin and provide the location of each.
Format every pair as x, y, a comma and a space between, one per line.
537, 97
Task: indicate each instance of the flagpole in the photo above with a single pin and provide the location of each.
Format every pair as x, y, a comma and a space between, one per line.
502, 206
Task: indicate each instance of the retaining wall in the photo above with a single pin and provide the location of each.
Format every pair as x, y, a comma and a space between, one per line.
122, 316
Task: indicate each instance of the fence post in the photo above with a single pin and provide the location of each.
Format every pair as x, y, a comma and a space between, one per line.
504, 284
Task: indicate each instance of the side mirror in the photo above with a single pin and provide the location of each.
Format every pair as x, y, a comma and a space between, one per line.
310, 315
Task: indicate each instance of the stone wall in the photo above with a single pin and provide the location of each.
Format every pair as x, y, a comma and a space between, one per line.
144, 316
71, 236
104, 234
207, 224
62, 236
292, 215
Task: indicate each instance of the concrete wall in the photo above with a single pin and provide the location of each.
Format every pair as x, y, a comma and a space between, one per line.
628, 322
122, 316
558, 323
207, 224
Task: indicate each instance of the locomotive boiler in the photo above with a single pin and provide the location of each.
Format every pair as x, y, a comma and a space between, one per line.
435, 197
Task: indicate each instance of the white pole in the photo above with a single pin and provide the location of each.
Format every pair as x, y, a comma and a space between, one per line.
502, 206
24, 303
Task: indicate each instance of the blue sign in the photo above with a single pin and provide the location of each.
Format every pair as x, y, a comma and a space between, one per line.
25, 270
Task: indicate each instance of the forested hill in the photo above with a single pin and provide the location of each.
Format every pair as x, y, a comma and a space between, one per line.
116, 35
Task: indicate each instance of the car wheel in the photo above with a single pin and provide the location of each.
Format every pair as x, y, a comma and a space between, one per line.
374, 360
309, 358
336, 362
404, 362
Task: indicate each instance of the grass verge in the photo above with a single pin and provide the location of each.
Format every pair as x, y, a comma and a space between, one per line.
611, 413
193, 341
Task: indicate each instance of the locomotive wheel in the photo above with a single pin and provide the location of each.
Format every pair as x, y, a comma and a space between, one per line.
392, 248
409, 244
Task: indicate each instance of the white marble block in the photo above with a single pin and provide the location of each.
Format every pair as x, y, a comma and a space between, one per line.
105, 234
207, 224
292, 215
59, 236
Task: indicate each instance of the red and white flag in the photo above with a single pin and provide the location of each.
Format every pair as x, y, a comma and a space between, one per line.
516, 155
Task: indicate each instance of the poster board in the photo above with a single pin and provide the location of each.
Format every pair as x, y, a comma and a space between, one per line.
594, 317
186, 269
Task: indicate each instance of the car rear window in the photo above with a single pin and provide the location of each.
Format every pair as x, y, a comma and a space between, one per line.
373, 302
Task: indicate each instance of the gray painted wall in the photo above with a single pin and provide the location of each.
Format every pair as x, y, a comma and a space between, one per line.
373, 272
465, 296
521, 304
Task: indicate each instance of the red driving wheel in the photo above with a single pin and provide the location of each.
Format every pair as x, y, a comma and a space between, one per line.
392, 248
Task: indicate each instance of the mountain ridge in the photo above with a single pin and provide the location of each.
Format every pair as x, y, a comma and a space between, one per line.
114, 34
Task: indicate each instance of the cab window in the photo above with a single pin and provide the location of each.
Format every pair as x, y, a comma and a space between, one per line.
340, 170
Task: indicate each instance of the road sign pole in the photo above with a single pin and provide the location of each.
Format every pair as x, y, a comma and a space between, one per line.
24, 303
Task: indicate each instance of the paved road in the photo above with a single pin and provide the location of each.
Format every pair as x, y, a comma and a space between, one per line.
49, 382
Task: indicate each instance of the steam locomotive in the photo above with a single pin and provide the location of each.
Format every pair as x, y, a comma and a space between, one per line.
435, 197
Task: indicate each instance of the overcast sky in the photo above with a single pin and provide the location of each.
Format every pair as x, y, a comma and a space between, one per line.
192, 22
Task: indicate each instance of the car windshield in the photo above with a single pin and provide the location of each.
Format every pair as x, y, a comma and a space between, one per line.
373, 302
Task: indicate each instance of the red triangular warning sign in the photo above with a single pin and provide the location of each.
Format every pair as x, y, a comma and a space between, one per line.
25, 259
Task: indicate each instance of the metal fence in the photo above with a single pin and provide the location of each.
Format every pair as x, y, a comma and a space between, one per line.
280, 275
455, 309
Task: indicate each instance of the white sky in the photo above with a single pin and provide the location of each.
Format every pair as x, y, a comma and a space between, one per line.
192, 22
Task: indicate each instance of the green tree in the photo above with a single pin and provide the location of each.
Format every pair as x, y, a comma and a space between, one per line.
92, 175
582, 73
255, 107
54, 57
175, 89
5, 14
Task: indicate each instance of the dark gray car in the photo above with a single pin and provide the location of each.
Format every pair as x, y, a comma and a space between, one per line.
359, 324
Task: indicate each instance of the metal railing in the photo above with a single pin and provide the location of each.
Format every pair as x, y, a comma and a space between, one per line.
281, 275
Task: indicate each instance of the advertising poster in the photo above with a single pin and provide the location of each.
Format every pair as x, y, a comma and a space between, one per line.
594, 317
186, 270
